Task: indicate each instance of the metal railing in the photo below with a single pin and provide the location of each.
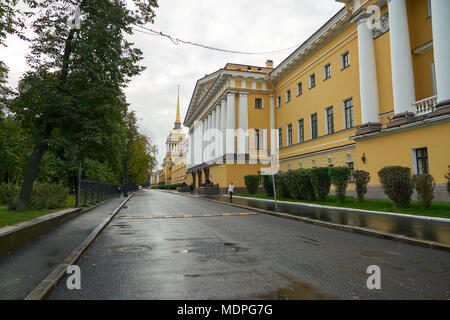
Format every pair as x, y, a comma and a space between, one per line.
92, 192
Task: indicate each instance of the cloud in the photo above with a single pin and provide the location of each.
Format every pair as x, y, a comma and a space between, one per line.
244, 25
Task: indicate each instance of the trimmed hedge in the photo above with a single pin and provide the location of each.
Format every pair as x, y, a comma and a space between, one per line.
291, 182
305, 186
320, 180
268, 185
339, 178
281, 185
447, 176
252, 183
362, 179
397, 184
424, 184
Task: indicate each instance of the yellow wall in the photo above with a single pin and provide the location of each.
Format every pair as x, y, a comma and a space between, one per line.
396, 149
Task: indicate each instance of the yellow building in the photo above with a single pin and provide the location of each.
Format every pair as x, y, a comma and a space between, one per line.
370, 88
174, 167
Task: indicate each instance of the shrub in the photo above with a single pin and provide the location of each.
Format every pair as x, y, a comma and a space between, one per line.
48, 196
281, 185
447, 176
362, 179
292, 178
424, 184
306, 190
320, 180
252, 183
268, 185
339, 178
8, 191
397, 184
12, 202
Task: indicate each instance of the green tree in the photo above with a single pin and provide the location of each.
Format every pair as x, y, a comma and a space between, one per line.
73, 93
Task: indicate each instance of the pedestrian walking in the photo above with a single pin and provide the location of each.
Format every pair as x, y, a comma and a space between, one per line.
119, 191
191, 188
230, 191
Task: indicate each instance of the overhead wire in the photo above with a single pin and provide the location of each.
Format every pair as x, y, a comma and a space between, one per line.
177, 41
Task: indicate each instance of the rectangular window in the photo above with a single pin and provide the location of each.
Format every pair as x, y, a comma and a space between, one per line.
259, 139
278, 102
299, 89
345, 60
351, 166
330, 120
422, 161
301, 131
289, 135
327, 72
312, 81
314, 128
280, 138
258, 103
348, 112
288, 95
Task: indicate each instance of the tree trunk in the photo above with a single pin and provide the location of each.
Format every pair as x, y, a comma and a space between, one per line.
32, 170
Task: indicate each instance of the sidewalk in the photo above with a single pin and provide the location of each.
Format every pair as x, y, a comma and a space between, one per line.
25, 267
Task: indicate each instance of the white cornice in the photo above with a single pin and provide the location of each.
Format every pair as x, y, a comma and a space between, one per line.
311, 45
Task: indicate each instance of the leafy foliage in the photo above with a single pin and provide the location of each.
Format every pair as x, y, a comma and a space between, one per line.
447, 176
281, 185
397, 184
339, 178
49, 196
424, 184
7, 192
320, 180
304, 185
268, 185
291, 183
362, 179
252, 183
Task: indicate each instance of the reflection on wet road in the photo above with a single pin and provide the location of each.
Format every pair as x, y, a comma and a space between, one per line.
418, 228
196, 249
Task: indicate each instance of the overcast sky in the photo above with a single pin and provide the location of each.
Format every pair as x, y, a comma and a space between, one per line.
243, 25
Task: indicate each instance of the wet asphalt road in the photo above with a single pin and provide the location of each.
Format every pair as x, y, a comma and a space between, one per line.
156, 249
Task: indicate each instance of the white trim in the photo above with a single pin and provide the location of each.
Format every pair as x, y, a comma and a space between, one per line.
317, 152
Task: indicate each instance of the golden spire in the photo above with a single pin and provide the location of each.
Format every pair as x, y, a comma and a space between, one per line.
177, 121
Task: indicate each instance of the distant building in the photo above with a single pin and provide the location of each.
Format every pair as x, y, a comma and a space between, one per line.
174, 166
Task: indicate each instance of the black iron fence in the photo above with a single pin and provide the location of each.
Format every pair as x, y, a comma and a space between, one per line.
92, 192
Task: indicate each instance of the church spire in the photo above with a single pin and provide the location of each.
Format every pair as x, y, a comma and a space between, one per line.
177, 121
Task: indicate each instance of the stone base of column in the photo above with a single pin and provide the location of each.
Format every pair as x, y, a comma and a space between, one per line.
401, 119
368, 128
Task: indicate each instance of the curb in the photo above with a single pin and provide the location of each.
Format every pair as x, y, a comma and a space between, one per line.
354, 229
43, 289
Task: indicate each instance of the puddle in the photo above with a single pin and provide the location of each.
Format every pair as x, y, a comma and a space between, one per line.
211, 248
134, 249
375, 254
296, 291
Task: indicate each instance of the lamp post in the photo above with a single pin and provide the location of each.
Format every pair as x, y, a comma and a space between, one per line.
125, 187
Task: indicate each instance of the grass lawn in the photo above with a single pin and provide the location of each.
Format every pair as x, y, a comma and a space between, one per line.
438, 209
9, 218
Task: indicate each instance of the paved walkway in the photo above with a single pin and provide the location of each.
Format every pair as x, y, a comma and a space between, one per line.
25, 267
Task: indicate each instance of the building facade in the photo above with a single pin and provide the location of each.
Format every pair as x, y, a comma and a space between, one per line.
370, 88
174, 167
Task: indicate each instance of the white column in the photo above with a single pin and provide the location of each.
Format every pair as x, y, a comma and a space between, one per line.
272, 124
231, 126
211, 135
401, 59
440, 11
242, 141
218, 138
200, 139
223, 126
367, 71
